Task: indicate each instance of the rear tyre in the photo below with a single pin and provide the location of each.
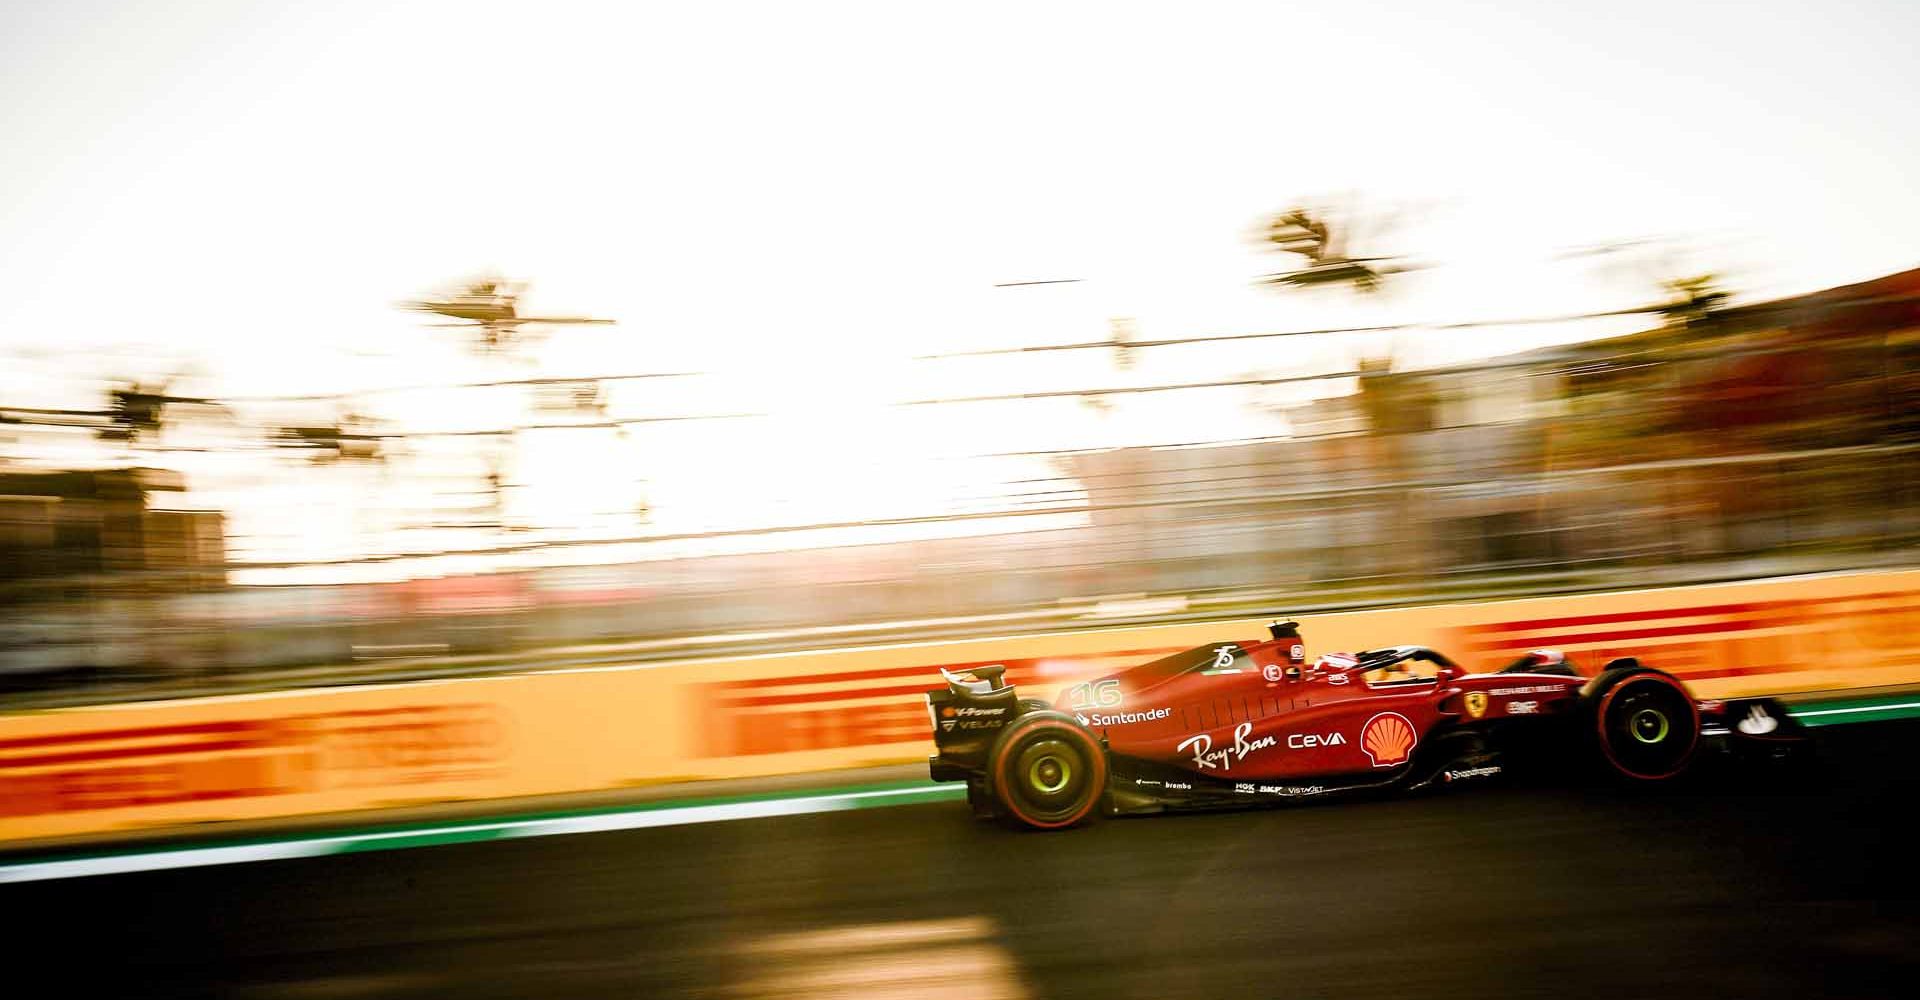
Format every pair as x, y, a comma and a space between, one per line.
1046, 771
1643, 722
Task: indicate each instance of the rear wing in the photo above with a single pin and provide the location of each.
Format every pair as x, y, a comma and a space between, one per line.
984, 682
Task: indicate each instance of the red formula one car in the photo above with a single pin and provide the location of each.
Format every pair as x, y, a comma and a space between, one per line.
1233, 723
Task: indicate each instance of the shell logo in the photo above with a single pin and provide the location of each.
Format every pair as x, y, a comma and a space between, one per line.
1388, 738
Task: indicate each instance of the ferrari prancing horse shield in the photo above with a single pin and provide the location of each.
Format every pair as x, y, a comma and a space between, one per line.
1476, 702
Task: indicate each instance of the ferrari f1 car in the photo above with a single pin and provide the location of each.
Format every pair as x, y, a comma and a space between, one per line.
1232, 724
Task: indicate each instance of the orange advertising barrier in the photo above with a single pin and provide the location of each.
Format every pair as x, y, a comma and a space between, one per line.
168, 764
194, 762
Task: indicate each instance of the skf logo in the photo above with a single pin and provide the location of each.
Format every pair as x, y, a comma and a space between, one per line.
1476, 702
1388, 738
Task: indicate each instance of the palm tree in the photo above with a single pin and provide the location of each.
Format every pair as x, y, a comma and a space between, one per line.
1308, 233
1693, 299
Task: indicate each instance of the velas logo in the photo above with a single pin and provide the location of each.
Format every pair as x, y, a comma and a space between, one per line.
1476, 702
1388, 738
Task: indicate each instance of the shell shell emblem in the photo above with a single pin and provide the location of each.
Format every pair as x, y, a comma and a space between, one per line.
1388, 738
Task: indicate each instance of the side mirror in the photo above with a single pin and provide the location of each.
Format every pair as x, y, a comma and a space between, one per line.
1447, 674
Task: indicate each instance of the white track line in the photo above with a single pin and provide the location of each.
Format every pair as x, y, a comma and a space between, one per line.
1849, 711
198, 857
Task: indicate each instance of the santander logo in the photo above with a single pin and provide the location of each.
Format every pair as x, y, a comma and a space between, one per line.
1388, 738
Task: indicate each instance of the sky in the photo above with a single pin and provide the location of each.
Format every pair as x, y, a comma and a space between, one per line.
803, 198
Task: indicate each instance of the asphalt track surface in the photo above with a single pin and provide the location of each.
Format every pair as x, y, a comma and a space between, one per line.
1777, 887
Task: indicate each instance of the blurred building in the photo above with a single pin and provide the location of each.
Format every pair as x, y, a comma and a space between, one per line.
76, 533
1740, 431
1831, 369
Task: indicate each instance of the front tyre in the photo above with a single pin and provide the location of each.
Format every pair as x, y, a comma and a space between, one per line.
1644, 722
1047, 771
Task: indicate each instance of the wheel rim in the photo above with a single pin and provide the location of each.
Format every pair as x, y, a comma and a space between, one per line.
1649, 726
1049, 774
1048, 778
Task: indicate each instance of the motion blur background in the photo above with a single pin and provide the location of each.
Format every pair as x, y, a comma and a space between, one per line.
378, 341
397, 340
